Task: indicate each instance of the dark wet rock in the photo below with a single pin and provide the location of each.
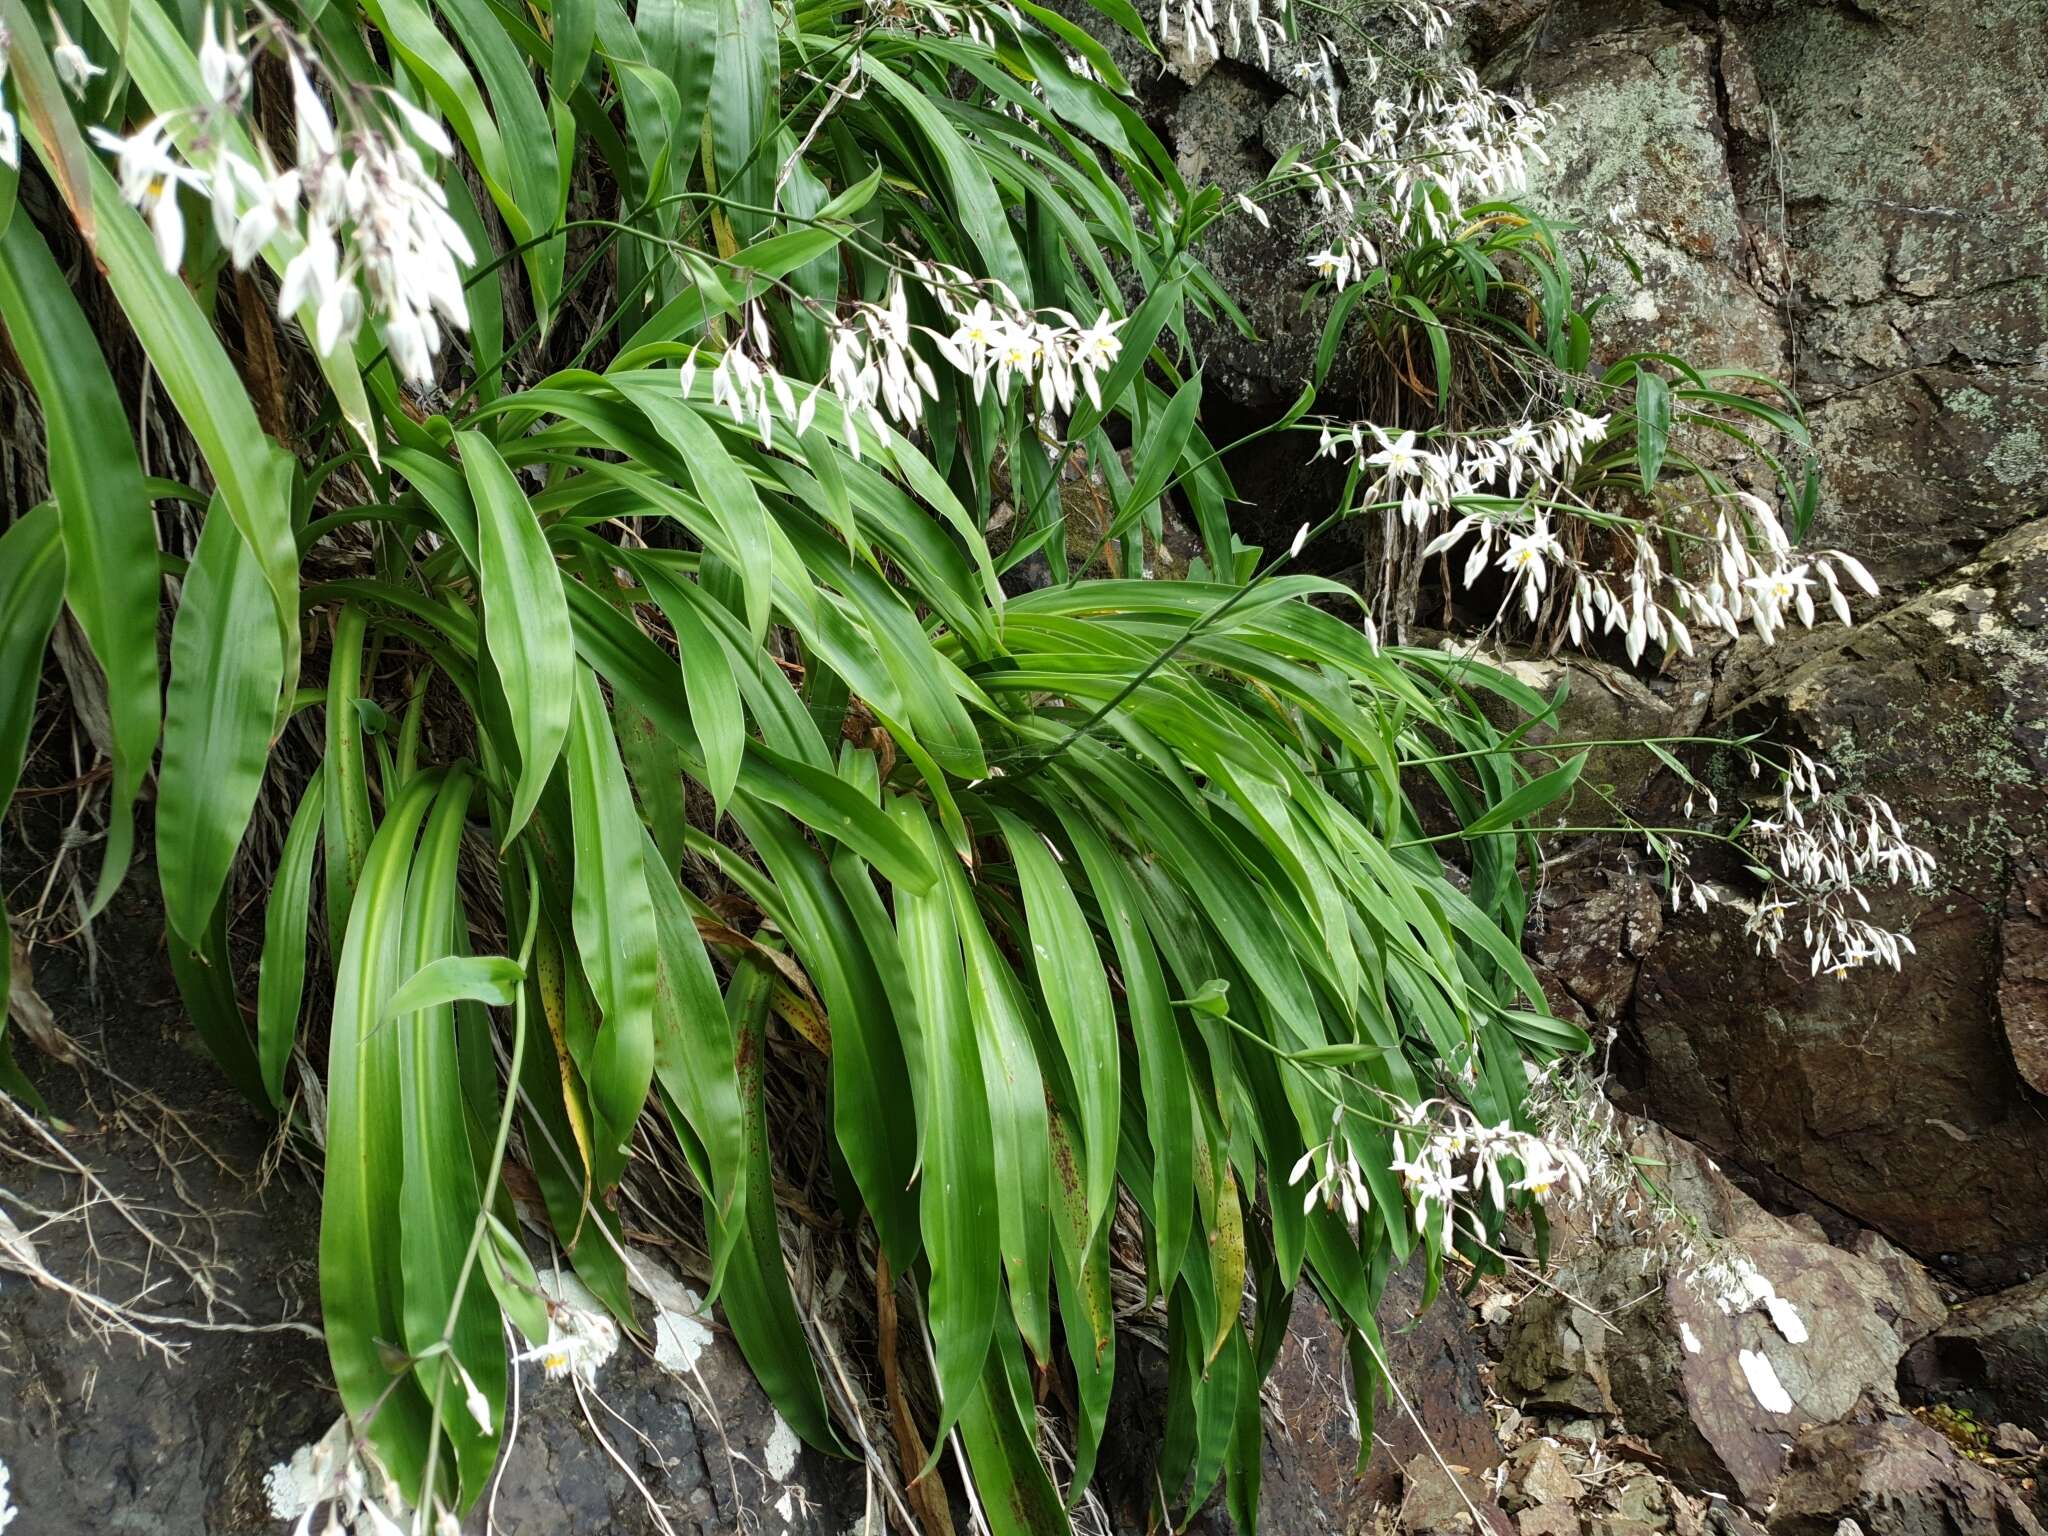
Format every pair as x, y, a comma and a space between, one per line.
1899, 1100
1990, 1358
1893, 1476
1589, 930
2023, 971
1310, 1480
100, 1437
98, 1434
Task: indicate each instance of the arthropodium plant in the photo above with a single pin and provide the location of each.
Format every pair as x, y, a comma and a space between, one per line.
683, 675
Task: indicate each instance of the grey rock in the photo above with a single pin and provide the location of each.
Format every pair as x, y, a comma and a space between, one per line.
1991, 1357
1440, 1502
1807, 194
1916, 1298
1892, 1476
2015, 1440
1667, 1364
1641, 1498
1537, 1475
1548, 1520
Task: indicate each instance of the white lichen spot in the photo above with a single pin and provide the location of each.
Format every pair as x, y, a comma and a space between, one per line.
7, 1507
1764, 1385
679, 1341
1688, 1338
1787, 1317
779, 1454
291, 1487
786, 1506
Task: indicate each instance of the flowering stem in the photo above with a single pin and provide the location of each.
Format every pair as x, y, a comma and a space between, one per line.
1637, 829
1559, 748
1195, 627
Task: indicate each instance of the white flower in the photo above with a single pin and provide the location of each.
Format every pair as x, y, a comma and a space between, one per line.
426, 129
7, 1509
1526, 562
10, 140
1335, 265
473, 1398
273, 205
579, 1341
1400, 458
150, 175
223, 69
1341, 1182
74, 67
315, 127
314, 277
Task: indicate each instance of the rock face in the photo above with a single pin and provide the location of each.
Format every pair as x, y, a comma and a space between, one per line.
1895, 1477
1851, 196
99, 1436
1991, 1357
1310, 1479
1907, 1101
1848, 196
1717, 1352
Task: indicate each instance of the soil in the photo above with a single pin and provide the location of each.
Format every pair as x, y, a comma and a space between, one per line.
100, 1432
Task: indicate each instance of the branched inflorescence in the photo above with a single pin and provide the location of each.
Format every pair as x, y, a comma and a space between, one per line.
368, 222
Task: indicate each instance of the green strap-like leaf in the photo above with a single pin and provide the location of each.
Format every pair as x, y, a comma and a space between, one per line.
758, 1302
742, 100
225, 673
1017, 1124
1531, 798
438, 1197
253, 474
526, 620
1077, 997
955, 1150
1162, 1059
693, 1054
492, 979
281, 982
522, 177
31, 593
362, 1296
968, 189
614, 924
111, 577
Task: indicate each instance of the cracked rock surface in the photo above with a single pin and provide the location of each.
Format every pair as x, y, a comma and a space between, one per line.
1854, 197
